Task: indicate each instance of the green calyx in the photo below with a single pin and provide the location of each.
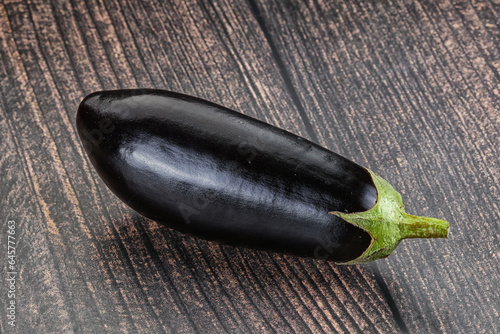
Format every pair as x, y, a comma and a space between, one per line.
388, 223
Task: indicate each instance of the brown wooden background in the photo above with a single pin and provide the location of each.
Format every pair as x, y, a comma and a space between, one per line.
410, 89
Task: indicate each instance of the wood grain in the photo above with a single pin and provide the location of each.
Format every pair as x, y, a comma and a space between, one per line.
408, 88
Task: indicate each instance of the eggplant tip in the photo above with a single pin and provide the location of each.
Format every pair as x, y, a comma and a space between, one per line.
388, 223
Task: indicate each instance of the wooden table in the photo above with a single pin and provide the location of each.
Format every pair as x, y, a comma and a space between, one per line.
409, 89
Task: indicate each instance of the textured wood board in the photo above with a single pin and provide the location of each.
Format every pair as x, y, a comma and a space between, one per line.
410, 89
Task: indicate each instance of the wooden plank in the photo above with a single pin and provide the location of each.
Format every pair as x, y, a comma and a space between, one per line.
408, 88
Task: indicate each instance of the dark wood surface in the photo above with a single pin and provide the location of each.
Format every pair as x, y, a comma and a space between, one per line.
410, 89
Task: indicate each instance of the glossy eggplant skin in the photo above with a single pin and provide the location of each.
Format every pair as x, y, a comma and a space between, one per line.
212, 172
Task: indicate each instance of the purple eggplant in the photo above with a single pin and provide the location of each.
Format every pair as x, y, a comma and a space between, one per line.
214, 173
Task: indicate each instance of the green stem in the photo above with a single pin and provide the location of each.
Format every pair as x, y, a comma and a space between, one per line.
422, 227
388, 223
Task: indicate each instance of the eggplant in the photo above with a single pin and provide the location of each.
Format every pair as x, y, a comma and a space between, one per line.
211, 172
